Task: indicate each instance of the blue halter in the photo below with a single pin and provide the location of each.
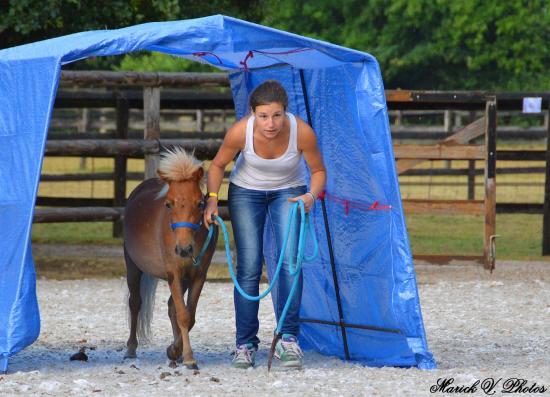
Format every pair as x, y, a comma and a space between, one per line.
196, 261
190, 225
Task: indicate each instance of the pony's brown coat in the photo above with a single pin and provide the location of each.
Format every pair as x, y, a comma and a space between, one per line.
152, 247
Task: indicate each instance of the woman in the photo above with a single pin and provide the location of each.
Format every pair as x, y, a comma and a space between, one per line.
268, 177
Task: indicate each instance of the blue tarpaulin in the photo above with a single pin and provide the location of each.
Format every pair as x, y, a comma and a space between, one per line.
368, 309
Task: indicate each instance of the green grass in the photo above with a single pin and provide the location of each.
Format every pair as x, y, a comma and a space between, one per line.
520, 236
88, 233
445, 234
74, 233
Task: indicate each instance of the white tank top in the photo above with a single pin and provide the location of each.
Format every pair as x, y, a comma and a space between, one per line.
254, 172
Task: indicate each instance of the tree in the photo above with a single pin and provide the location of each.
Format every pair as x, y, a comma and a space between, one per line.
26, 21
425, 44
158, 62
434, 44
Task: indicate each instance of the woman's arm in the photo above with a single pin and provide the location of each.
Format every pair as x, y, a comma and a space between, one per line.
307, 143
233, 142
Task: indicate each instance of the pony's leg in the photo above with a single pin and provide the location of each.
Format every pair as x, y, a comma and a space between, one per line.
197, 282
133, 278
193, 298
170, 351
174, 322
182, 345
173, 319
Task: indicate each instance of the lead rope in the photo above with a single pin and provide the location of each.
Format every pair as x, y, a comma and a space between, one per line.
197, 261
294, 267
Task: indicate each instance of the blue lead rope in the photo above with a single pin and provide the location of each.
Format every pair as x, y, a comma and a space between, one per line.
294, 266
197, 261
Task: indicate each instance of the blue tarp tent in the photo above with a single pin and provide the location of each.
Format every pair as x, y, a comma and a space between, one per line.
360, 299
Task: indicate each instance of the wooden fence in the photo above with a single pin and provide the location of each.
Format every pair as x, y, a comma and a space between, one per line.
123, 97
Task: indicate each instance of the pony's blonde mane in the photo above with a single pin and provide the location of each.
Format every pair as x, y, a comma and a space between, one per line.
177, 165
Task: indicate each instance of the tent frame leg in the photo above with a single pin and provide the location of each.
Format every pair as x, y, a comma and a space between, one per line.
3, 364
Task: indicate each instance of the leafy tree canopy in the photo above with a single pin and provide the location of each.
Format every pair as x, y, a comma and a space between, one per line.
425, 44
159, 62
435, 44
26, 21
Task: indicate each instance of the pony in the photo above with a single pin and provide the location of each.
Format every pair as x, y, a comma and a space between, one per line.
163, 232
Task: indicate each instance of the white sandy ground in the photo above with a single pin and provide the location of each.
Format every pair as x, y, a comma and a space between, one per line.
478, 325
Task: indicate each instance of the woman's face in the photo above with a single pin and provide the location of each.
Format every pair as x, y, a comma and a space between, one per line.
270, 119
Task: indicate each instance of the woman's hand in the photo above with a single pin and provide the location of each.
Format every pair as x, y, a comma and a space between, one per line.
308, 199
211, 209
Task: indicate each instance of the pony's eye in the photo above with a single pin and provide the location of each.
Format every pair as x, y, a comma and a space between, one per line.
168, 205
201, 205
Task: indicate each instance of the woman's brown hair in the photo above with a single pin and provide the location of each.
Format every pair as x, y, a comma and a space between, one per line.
268, 92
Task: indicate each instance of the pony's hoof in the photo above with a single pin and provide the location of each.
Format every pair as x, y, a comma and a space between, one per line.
130, 354
173, 364
191, 365
172, 353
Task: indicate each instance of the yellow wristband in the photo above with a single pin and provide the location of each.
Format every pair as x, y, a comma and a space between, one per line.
212, 194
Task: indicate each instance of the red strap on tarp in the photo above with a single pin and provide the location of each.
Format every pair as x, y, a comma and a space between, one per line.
249, 55
349, 204
201, 54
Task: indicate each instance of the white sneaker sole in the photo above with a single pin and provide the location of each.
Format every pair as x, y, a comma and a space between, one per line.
288, 364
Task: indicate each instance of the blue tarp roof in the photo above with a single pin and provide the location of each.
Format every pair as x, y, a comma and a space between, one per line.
348, 112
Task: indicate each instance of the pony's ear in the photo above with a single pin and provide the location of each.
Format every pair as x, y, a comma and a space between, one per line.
198, 174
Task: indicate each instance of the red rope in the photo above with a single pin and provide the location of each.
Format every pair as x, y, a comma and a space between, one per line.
249, 55
284, 52
349, 204
201, 54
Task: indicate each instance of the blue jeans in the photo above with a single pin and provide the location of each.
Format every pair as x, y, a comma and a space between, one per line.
249, 211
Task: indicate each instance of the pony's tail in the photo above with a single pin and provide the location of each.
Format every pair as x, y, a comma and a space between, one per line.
147, 289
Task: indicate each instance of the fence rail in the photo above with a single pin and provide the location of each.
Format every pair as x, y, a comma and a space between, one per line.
456, 144
90, 214
186, 103
129, 147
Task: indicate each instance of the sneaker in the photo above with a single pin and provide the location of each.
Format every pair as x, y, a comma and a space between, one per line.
245, 356
288, 351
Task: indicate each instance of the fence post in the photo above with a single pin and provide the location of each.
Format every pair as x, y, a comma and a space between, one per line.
151, 115
448, 126
83, 127
490, 182
199, 114
471, 179
122, 118
546, 216
471, 166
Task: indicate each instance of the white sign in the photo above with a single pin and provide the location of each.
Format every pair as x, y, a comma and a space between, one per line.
532, 105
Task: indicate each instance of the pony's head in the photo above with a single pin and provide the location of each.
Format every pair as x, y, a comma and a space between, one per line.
182, 196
